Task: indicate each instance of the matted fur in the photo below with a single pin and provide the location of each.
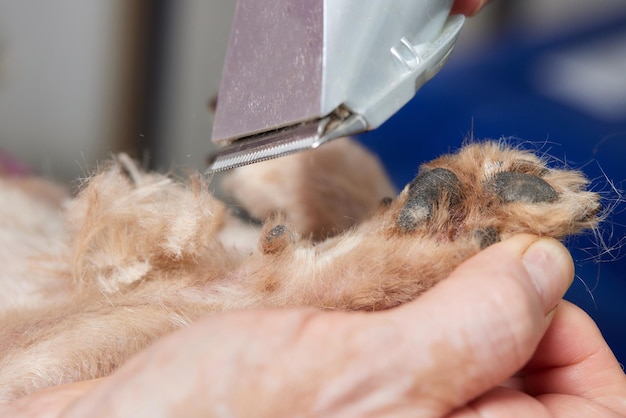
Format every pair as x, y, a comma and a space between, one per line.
88, 283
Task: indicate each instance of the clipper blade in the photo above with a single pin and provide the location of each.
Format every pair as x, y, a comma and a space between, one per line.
288, 140
266, 146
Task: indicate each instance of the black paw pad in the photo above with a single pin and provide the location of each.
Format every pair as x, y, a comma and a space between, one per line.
425, 191
276, 239
520, 187
487, 237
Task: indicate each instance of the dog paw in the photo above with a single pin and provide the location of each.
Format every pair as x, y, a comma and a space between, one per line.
457, 205
491, 191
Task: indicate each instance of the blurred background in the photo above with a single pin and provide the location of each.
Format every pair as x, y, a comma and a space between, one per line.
81, 80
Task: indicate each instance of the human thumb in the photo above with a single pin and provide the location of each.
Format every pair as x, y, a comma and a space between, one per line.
478, 327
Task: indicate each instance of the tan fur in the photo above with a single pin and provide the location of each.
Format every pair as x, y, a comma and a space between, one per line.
320, 192
32, 237
136, 255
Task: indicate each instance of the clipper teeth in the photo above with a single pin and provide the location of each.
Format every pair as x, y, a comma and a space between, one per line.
283, 141
266, 146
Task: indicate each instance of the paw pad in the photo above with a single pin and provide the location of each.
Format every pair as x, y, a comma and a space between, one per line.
276, 239
521, 187
425, 191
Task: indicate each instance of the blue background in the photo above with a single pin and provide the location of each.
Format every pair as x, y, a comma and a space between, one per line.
493, 94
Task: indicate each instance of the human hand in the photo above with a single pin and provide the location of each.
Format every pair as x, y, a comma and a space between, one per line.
468, 7
447, 354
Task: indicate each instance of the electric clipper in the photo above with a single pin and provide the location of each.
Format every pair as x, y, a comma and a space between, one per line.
299, 73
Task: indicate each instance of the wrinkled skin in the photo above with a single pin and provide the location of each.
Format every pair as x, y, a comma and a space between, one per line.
428, 358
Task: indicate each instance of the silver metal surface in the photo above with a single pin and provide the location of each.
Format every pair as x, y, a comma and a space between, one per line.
284, 141
272, 74
378, 53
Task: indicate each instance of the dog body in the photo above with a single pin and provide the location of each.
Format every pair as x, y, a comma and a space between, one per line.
87, 282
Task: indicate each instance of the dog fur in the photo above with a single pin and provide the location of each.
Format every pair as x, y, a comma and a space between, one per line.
87, 282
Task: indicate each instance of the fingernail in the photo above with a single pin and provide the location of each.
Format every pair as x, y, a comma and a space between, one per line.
551, 270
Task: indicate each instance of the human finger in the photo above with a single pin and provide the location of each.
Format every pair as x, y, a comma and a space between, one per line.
482, 324
573, 359
468, 7
510, 403
427, 357
47, 403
